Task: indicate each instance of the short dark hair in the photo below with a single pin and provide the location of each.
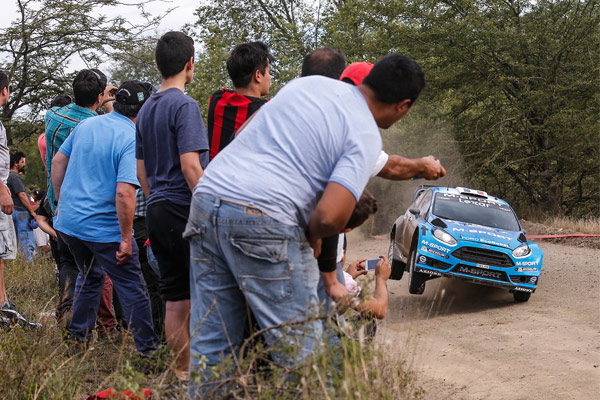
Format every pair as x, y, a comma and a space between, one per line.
245, 59
87, 85
3, 80
128, 110
365, 206
15, 157
395, 78
61, 100
324, 61
173, 51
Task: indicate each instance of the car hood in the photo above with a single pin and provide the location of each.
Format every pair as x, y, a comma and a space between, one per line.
463, 231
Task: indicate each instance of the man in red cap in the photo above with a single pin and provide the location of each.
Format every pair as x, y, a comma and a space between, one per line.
394, 167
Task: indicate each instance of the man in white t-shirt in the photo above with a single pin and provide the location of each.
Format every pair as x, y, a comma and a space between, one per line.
290, 178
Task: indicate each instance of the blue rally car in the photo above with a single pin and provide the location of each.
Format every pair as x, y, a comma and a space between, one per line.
463, 234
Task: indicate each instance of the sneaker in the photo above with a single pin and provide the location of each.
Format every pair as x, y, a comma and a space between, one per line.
8, 305
8, 311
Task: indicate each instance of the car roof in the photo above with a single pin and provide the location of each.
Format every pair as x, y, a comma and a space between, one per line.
465, 192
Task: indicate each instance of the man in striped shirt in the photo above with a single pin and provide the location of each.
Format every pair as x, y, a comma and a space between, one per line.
249, 68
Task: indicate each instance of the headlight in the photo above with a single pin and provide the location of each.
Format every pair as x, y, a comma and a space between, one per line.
444, 237
522, 251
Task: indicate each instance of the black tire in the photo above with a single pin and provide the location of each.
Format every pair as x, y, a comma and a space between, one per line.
416, 280
397, 265
521, 297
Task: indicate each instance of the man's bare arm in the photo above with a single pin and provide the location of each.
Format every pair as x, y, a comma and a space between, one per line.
143, 178
125, 203
377, 305
331, 216
6, 202
59, 168
332, 211
400, 168
191, 168
26, 203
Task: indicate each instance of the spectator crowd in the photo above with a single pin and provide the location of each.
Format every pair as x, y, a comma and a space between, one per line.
187, 234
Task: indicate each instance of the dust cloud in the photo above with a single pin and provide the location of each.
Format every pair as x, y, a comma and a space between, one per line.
419, 134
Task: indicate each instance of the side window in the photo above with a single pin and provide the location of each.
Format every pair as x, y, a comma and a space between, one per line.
425, 203
418, 199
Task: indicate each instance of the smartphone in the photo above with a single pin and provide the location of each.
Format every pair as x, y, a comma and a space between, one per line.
371, 264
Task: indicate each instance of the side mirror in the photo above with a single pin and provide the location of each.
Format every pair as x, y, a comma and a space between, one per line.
414, 211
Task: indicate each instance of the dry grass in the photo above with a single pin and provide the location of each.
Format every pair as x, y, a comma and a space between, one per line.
588, 226
34, 364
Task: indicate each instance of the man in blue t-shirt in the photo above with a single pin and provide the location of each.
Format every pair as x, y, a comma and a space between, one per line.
94, 180
172, 150
291, 177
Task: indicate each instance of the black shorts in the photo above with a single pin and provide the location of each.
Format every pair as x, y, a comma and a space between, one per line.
166, 222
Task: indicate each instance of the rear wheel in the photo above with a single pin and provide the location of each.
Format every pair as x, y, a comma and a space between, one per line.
397, 265
416, 280
521, 297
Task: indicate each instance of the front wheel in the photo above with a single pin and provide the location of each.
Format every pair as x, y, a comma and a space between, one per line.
416, 280
397, 265
521, 297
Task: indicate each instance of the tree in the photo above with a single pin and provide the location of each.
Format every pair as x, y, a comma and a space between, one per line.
518, 78
288, 26
39, 45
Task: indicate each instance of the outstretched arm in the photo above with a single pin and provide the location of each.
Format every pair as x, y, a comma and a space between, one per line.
378, 304
400, 168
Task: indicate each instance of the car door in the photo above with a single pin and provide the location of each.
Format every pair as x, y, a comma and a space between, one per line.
412, 221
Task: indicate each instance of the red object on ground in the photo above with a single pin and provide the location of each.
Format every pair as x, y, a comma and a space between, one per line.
125, 395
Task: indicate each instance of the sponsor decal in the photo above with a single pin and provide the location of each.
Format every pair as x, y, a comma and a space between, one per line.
522, 289
470, 200
523, 263
426, 271
435, 246
493, 242
482, 273
472, 239
526, 269
422, 259
483, 266
533, 279
434, 252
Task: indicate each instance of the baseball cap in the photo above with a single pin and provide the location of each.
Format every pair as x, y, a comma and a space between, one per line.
133, 92
356, 72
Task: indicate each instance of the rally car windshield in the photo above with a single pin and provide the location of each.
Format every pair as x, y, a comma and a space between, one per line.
475, 210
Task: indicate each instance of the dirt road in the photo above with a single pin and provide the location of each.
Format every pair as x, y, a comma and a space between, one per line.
469, 341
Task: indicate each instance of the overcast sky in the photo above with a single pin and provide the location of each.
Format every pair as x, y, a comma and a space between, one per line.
184, 13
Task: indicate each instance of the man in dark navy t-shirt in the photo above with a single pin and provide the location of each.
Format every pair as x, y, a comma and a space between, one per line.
172, 151
249, 68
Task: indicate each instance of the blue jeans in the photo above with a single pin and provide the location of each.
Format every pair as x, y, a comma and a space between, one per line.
24, 233
94, 260
240, 257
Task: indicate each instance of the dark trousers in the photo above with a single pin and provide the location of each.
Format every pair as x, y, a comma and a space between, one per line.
157, 303
94, 260
67, 278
